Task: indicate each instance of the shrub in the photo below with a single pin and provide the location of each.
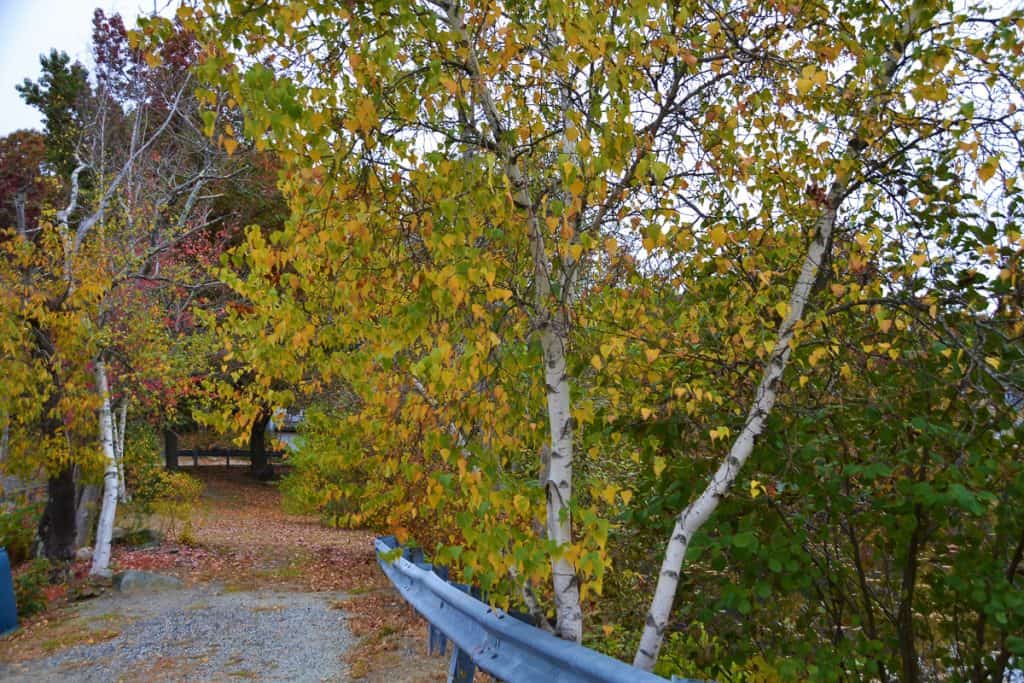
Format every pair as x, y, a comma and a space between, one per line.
18, 531
171, 496
30, 583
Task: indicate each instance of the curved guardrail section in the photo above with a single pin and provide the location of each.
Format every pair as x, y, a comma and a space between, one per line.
494, 640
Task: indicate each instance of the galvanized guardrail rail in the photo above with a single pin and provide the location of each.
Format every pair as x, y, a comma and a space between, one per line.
494, 641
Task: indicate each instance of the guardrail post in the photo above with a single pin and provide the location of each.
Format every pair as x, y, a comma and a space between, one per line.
195, 457
461, 669
437, 641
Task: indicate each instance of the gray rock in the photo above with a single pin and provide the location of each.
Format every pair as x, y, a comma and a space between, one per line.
134, 581
83, 554
139, 538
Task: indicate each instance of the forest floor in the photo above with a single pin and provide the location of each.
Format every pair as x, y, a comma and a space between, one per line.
267, 596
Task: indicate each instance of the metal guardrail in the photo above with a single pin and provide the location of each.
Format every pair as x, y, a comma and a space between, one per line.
493, 640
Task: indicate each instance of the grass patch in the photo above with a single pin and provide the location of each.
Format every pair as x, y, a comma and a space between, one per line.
85, 636
268, 608
248, 674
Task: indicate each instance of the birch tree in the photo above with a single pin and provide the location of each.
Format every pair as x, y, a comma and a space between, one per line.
134, 196
518, 227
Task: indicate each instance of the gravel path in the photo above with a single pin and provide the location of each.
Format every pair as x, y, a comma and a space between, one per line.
202, 633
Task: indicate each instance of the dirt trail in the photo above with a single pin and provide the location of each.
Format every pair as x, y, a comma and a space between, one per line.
267, 596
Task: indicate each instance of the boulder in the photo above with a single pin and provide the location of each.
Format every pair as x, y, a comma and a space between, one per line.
138, 538
83, 554
133, 581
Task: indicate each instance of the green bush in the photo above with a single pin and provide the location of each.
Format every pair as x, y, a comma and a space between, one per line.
171, 496
18, 531
30, 582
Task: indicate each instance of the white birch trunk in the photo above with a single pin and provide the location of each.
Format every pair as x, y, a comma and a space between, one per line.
119, 423
105, 527
558, 486
554, 331
693, 517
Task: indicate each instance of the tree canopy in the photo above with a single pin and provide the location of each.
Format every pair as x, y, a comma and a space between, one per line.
694, 327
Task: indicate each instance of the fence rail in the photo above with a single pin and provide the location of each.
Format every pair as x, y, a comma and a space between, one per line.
226, 453
490, 639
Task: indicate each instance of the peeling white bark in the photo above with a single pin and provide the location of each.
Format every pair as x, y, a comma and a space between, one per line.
554, 330
105, 527
119, 422
693, 517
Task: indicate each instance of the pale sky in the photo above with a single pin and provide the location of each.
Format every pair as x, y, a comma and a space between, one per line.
29, 28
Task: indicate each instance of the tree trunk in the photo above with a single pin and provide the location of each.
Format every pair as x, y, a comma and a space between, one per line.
119, 423
905, 614
170, 449
558, 487
85, 509
259, 467
691, 519
57, 526
105, 527
5, 437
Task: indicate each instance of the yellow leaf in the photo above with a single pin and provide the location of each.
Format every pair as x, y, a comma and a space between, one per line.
645, 413
755, 488
597, 362
626, 496
718, 235
521, 503
993, 361
988, 169
608, 494
713, 28
230, 144
803, 85
499, 294
659, 465
652, 354
918, 259
884, 325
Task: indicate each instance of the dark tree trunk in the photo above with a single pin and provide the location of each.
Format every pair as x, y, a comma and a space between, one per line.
57, 526
88, 495
905, 614
260, 467
170, 449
